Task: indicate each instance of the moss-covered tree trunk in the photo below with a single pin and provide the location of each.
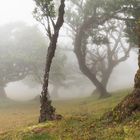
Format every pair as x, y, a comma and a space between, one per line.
47, 111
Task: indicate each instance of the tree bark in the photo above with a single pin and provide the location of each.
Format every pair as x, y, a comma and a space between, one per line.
47, 111
93, 20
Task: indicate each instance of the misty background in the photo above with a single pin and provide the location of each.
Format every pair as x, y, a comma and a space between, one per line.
21, 10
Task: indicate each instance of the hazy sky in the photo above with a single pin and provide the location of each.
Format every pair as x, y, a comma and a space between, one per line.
13, 10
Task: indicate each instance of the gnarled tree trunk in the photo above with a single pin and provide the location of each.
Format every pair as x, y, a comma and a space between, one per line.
47, 111
80, 54
82, 64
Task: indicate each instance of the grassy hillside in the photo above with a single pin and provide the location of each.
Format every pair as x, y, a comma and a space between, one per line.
18, 121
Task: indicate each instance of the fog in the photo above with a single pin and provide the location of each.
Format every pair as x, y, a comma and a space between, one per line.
16, 10
121, 78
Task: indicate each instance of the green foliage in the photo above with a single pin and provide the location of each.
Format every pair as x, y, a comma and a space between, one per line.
37, 137
125, 10
44, 8
131, 10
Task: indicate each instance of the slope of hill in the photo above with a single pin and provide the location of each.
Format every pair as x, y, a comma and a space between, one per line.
18, 121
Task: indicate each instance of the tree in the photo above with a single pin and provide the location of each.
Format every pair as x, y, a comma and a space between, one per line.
102, 58
20, 57
13, 70
44, 13
16, 53
97, 41
130, 104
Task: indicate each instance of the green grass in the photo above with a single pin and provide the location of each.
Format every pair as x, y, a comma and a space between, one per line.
18, 121
37, 137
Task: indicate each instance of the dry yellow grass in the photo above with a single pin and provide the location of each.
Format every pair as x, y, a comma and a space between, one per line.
81, 121
17, 115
